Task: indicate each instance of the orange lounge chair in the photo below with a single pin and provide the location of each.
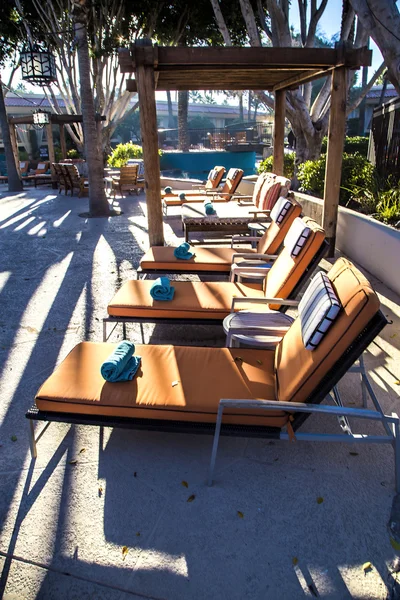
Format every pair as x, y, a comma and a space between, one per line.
233, 178
198, 301
161, 259
213, 180
248, 392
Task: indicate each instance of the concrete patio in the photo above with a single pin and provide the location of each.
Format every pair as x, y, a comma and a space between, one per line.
261, 532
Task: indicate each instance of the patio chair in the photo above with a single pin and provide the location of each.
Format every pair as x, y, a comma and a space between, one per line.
62, 181
75, 181
247, 392
197, 302
127, 181
233, 178
161, 259
212, 183
24, 167
42, 168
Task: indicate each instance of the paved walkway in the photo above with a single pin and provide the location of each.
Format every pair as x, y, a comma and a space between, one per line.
259, 533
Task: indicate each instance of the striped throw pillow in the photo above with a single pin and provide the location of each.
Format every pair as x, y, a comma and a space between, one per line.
232, 173
280, 210
269, 196
296, 237
318, 309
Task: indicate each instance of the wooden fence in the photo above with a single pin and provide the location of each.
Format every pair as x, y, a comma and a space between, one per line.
384, 141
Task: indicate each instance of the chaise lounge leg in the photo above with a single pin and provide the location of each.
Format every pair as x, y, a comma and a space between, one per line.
396, 446
32, 440
215, 444
124, 331
363, 386
104, 331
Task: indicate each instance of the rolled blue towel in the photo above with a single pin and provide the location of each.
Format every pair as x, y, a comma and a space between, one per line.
168, 189
182, 196
209, 209
183, 252
162, 289
121, 365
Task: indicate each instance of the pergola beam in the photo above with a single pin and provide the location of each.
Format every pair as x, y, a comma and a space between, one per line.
279, 131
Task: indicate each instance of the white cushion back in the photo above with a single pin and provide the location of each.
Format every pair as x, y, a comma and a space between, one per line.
296, 237
280, 210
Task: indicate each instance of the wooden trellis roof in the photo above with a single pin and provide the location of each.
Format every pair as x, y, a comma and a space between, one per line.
234, 68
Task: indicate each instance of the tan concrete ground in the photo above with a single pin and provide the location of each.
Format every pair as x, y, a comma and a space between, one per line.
63, 525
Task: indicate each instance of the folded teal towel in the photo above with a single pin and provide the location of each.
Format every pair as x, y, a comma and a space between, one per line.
121, 365
183, 252
162, 289
168, 189
209, 209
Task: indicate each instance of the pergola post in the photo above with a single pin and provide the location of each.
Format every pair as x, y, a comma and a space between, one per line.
336, 135
144, 58
50, 147
62, 141
279, 131
14, 144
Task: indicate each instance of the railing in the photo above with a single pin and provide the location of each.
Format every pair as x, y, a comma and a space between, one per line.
220, 138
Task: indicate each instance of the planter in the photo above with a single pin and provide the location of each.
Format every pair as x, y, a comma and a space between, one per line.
374, 245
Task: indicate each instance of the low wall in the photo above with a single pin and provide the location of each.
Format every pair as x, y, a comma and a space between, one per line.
374, 245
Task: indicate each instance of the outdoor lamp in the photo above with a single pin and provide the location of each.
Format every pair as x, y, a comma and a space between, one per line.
38, 65
40, 118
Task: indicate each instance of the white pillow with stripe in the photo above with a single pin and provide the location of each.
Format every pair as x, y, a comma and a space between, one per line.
318, 309
280, 210
296, 237
232, 173
213, 174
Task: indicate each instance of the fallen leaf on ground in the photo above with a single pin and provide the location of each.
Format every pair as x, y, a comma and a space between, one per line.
353, 453
240, 514
100, 491
320, 500
138, 533
185, 484
14, 438
295, 561
397, 382
191, 498
124, 552
174, 383
82, 450
367, 566
73, 461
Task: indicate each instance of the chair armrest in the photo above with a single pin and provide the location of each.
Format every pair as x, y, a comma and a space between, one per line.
243, 238
262, 211
250, 270
279, 301
253, 255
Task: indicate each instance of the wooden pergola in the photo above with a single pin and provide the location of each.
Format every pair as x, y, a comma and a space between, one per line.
55, 119
231, 68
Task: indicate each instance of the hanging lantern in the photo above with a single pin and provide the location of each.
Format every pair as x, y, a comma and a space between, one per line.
40, 118
38, 65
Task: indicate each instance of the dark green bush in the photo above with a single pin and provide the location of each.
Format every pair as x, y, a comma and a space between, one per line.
358, 175
351, 145
288, 164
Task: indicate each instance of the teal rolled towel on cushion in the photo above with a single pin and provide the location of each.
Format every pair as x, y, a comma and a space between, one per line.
168, 189
183, 252
162, 289
121, 365
182, 196
209, 209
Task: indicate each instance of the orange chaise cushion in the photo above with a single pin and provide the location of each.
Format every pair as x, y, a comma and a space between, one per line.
203, 376
192, 300
205, 259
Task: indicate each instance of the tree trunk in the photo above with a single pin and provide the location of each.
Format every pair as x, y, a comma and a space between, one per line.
221, 23
98, 204
171, 123
183, 135
249, 106
14, 182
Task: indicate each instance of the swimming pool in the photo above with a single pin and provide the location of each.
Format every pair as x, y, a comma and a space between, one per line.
196, 165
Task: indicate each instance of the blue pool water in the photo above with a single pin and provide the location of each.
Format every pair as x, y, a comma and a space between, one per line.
196, 165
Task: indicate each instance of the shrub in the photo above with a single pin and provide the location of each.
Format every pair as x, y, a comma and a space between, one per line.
388, 207
288, 164
73, 153
122, 153
352, 145
358, 175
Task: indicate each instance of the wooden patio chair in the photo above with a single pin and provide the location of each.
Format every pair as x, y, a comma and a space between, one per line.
75, 181
127, 181
62, 181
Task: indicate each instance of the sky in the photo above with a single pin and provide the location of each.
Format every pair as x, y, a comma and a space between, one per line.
329, 25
